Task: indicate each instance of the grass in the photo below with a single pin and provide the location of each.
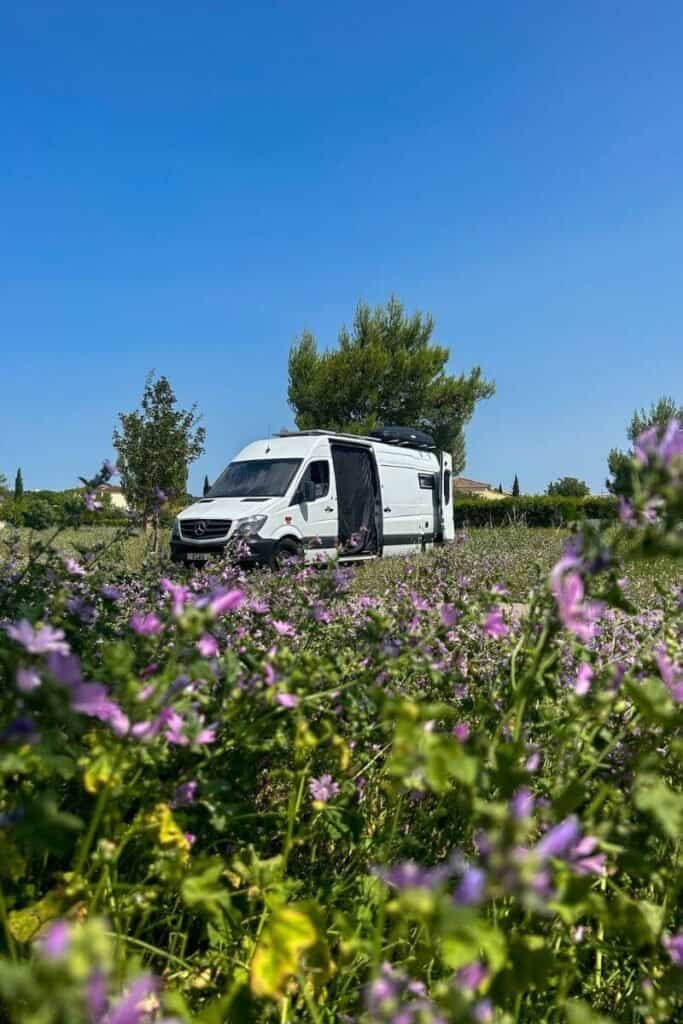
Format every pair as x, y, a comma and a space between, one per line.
516, 555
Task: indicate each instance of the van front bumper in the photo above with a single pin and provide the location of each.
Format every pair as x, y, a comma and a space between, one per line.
260, 551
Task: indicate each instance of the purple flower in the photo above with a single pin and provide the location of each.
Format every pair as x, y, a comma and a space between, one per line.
522, 804
584, 677
21, 730
73, 567
409, 875
145, 625
54, 944
91, 699
37, 641
673, 944
323, 789
461, 731
27, 679
482, 1011
449, 615
626, 512
470, 890
471, 976
111, 593
64, 668
131, 1009
584, 860
207, 646
229, 601
672, 675
185, 794
179, 594
577, 616
91, 502
283, 628
287, 700
494, 625
558, 840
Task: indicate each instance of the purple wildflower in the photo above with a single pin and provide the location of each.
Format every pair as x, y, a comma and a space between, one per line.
37, 641
207, 645
54, 944
179, 594
482, 1012
672, 674
283, 628
185, 794
461, 731
91, 502
64, 668
577, 616
449, 615
558, 840
145, 625
673, 944
131, 1008
287, 700
229, 601
91, 699
73, 567
409, 875
494, 625
522, 804
323, 789
27, 680
584, 860
584, 677
471, 976
470, 890
111, 593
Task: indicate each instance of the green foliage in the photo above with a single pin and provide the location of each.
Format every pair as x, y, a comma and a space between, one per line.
386, 371
18, 486
156, 445
515, 487
423, 801
540, 510
39, 514
568, 487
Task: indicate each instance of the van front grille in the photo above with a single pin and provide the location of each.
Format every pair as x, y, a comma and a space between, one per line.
205, 529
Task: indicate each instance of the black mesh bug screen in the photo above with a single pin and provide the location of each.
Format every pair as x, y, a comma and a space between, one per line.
357, 499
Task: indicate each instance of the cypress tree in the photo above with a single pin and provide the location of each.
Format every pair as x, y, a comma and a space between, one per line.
515, 487
207, 486
18, 486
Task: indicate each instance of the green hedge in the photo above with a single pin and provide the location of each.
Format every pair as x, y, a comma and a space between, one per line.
542, 510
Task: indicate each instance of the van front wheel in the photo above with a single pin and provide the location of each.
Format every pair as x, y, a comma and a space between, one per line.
287, 551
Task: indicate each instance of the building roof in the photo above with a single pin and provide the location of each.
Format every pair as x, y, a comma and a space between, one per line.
461, 483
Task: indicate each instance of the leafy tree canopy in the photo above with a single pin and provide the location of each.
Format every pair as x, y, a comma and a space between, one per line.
385, 371
156, 445
619, 462
569, 487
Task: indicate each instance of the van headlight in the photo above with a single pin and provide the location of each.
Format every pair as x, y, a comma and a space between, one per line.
175, 532
249, 526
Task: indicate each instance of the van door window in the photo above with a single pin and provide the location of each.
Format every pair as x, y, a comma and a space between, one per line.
316, 480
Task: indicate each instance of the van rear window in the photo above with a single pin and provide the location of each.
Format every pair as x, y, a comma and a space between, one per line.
426, 481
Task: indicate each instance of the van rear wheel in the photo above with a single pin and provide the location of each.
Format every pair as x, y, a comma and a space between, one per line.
287, 551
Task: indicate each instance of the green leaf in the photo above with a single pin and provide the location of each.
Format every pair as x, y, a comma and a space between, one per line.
581, 1013
292, 942
206, 893
654, 797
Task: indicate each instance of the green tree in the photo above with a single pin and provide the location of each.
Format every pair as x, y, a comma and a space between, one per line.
568, 487
3, 484
500, 488
156, 445
459, 453
18, 486
386, 371
619, 462
515, 487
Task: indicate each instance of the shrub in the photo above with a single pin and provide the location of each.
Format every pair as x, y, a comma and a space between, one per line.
543, 510
38, 513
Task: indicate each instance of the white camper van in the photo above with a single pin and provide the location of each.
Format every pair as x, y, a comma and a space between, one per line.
317, 493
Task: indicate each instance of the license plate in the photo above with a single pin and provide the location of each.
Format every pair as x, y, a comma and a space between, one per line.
197, 556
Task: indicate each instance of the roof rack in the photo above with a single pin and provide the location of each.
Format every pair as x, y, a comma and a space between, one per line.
397, 437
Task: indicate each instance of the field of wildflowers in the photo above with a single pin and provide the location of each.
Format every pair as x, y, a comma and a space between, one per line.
435, 791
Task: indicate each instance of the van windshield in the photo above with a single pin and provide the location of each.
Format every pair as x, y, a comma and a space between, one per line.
255, 478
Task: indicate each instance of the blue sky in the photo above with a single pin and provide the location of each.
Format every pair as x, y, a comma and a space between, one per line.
186, 187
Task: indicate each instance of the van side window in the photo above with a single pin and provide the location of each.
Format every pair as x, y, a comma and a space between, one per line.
426, 481
318, 474
447, 487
